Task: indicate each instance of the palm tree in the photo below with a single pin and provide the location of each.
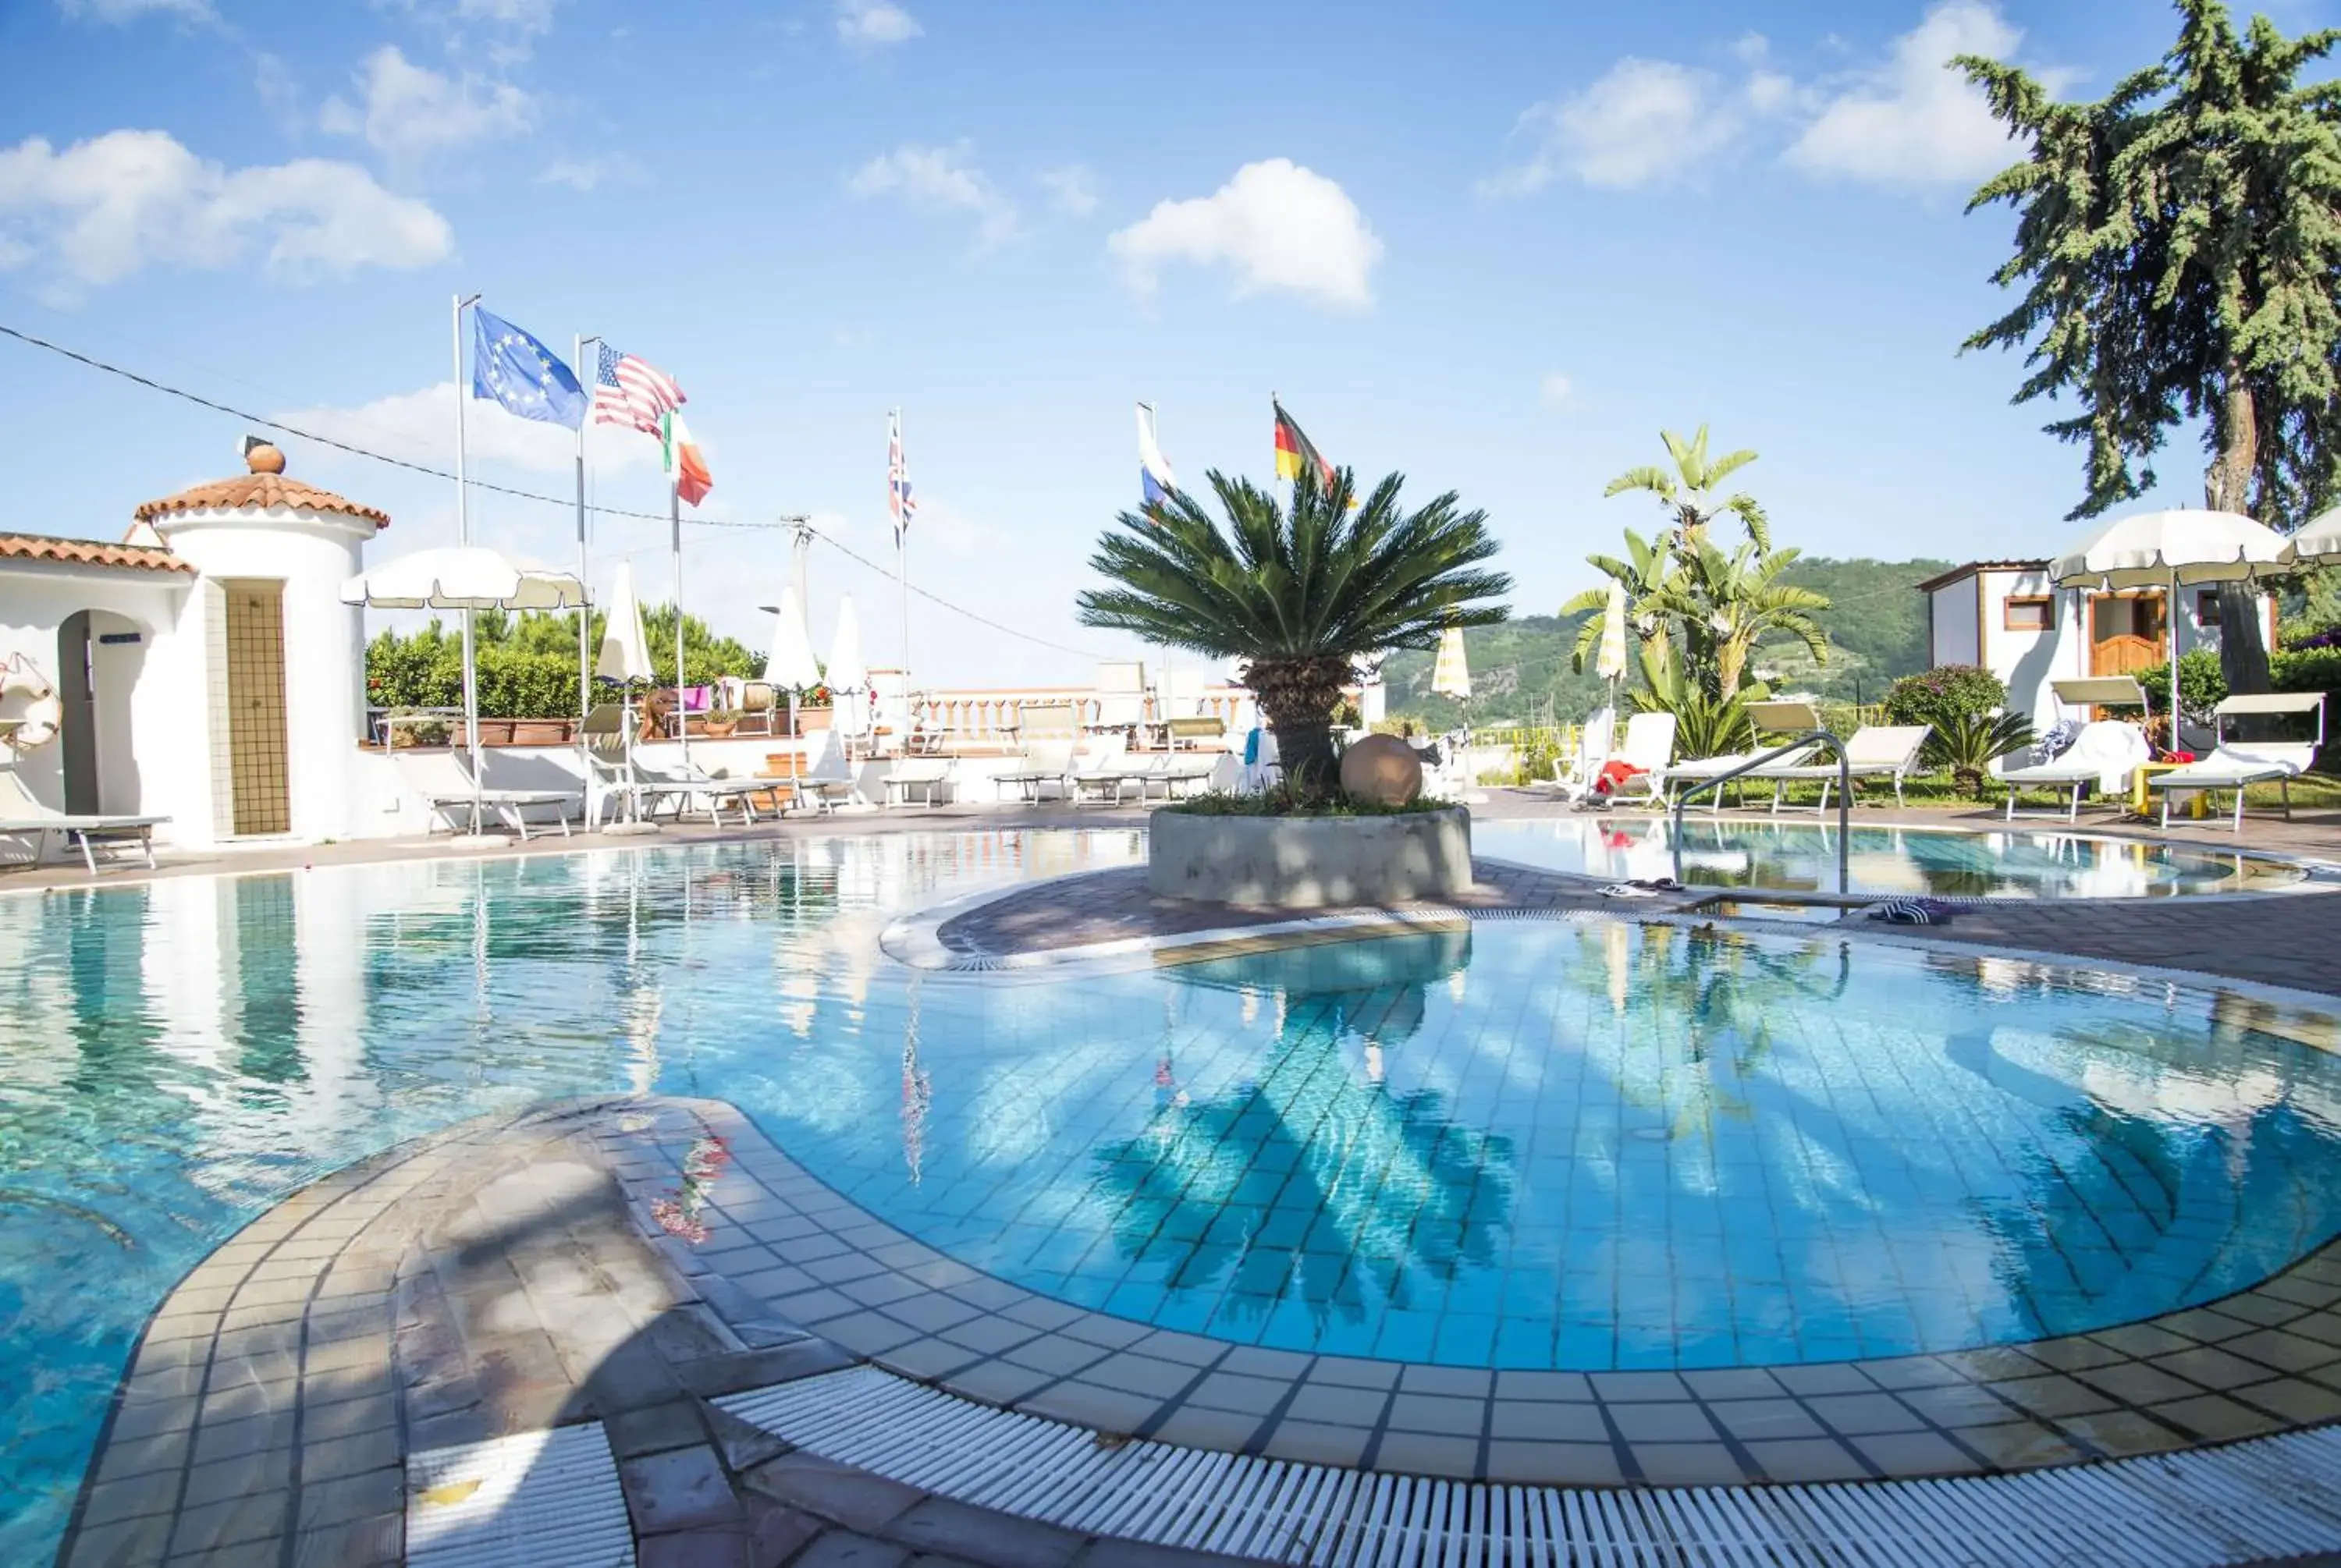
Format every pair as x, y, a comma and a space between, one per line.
1299, 597
1727, 602
1689, 492
1642, 573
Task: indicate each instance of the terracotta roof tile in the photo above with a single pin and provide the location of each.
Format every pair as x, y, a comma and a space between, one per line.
89, 552
257, 490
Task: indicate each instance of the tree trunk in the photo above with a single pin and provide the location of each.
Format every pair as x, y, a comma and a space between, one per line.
2227, 487
1297, 697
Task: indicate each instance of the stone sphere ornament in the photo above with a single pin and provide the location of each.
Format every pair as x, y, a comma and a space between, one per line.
1383, 770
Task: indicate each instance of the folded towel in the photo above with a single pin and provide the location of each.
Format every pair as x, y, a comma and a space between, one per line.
1916, 911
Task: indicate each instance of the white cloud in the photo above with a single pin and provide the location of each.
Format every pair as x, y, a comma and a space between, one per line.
875, 24
588, 174
104, 208
939, 179
408, 112
123, 12
1554, 389
1642, 123
1911, 120
1072, 189
503, 31
421, 426
280, 93
1277, 225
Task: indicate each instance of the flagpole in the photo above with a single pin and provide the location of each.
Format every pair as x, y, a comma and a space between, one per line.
903, 580
674, 526
464, 537
584, 591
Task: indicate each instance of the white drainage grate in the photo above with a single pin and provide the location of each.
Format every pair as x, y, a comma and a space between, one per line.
2270, 1497
533, 1500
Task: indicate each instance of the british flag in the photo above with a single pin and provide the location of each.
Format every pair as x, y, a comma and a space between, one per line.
629, 391
899, 502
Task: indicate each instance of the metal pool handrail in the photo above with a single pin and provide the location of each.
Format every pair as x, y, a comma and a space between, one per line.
1844, 795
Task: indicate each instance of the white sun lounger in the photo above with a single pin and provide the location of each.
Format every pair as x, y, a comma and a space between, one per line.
2106, 753
925, 777
1875, 751
1768, 718
826, 780
438, 777
1044, 762
685, 782
1575, 776
23, 816
2236, 764
1649, 746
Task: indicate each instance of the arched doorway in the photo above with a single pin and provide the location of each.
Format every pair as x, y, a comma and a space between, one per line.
100, 656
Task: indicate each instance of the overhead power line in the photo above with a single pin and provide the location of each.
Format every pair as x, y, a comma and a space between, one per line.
564, 502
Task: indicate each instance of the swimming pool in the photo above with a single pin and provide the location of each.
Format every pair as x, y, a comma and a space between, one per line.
1527, 1144
2019, 861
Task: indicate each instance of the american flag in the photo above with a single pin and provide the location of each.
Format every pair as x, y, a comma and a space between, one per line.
898, 479
628, 392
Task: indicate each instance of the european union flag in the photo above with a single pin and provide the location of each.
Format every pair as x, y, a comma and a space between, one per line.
516, 370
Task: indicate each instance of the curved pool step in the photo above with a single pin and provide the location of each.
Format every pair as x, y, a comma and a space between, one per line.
2268, 1497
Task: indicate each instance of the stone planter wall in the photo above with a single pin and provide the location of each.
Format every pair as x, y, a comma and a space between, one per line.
1309, 862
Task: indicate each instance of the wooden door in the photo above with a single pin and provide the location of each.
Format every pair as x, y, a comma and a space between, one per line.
260, 792
2126, 633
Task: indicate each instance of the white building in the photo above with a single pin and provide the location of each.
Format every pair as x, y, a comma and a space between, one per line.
208, 669
2008, 618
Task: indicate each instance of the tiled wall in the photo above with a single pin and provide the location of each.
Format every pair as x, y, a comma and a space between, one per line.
258, 783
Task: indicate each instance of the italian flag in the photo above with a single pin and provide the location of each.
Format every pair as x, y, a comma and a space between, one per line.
679, 455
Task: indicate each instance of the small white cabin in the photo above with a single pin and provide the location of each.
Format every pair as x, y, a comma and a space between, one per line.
2008, 618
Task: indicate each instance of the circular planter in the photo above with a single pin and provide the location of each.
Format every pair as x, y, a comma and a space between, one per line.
1309, 862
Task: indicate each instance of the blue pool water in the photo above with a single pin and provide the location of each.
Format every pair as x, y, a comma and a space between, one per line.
2021, 860
1528, 1144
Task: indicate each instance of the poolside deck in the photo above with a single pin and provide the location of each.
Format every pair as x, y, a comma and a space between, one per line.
366, 1374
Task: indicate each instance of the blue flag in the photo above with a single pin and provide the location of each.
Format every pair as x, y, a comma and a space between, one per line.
516, 370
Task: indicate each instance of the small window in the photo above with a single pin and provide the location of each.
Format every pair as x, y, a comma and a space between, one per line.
2033, 612
2206, 607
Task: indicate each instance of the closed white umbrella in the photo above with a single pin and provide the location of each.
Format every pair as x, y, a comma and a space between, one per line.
1610, 663
2318, 542
2172, 550
1450, 673
466, 577
789, 663
626, 653
845, 672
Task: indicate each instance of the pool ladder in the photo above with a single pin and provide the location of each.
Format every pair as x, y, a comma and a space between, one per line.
1843, 796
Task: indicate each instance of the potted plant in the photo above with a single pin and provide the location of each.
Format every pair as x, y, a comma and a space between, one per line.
1299, 596
816, 709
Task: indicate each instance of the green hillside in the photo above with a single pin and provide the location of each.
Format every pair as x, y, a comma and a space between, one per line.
1520, 673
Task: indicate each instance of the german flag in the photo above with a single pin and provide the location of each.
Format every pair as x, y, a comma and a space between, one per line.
1294, 451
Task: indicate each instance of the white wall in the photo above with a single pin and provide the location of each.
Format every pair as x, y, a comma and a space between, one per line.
1953, 610
139, 686
312, 554
2026, 660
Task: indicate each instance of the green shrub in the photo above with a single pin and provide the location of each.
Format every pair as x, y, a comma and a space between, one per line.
1969, 743
2202, 685
1282, 800
1534, 757
1944, 693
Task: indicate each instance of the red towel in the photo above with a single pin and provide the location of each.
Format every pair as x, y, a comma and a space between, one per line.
1614, 773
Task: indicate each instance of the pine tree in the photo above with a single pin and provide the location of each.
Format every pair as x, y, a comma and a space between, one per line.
2179, 243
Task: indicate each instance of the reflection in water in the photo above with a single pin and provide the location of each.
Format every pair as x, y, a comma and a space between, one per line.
1312, 1182
177, 1056
1790, 855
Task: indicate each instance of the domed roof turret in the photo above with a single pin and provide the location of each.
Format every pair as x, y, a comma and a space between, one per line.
262, 489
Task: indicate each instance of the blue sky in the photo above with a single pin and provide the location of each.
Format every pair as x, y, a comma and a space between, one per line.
1497, 247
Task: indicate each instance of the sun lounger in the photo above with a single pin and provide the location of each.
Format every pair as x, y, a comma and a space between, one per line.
1649, 746
438, 777
1573, 776
925, 777
684, 782
1168, 772
1875, 751
1769, 718
2238, 764
1044, 764
827, 781
23, 816
1102, 775
2105, 753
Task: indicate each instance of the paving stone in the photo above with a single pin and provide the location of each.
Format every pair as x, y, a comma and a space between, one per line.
235, 1522
654, 1428
1806, 1459
378, 1541
1195, 1428
1750, 1420
1676, 1422
694, 1549
1553, 1464
1086, 1405
340, 1501
1419, 1454
1459, 1381
775, 1533
982, 1535
681, 1489
1348, 1373
842, 1549
1431, 1412
1315, 1444
849, 1497
1914, 1454
1140, 1375
1226, 1390
2215, 1419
